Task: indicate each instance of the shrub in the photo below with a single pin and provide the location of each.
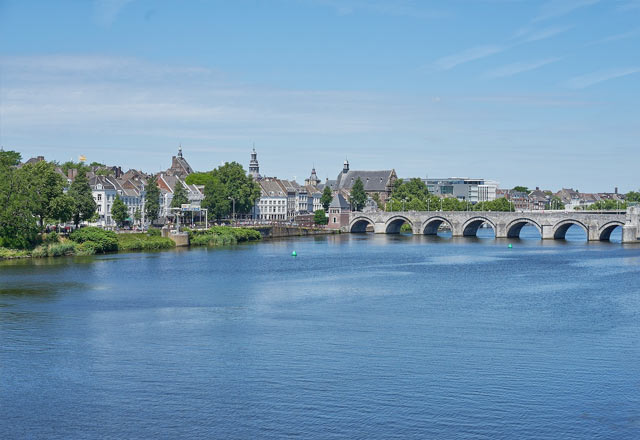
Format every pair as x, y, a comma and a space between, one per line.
222, 236
139, 242
51, 238
103, 241
86, 248
40, 251
153, 232
60, 249
12, 253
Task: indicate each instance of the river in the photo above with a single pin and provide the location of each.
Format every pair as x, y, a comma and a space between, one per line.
359, 336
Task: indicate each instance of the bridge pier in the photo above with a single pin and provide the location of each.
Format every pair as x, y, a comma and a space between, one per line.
630, 234
379, 228
547, 232
501, 230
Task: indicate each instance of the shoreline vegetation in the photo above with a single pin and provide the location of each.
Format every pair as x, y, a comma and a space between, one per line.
92, 240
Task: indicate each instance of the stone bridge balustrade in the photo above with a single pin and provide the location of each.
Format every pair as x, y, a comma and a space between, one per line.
550, 224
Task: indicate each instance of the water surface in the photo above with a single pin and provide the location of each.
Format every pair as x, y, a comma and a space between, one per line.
360, 336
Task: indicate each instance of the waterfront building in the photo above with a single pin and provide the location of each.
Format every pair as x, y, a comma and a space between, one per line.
375, 182
463, 188
339, 211
272, 204
105, 189
168, 184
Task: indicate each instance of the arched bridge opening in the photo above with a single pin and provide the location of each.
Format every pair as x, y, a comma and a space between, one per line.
571, 230
610, 230
395, 225
434, 225
361, 225
474, 225
514, 229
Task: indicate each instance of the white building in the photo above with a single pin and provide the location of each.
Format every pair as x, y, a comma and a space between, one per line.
105, 189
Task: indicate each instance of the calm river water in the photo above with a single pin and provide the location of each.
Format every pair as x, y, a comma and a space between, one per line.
360, 336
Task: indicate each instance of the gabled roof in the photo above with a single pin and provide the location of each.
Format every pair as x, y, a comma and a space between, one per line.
339, 202
372, 180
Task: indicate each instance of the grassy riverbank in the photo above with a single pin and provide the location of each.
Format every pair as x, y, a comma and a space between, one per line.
91, 240
222, 236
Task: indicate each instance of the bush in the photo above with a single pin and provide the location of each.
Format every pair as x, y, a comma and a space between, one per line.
51, 238
140, 242
6, 254
153, 232
222, 236
103, 241
60, 249
86, 248
40, 252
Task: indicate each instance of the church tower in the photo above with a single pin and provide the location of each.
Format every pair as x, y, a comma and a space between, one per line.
254, 167
313, 178
345, 167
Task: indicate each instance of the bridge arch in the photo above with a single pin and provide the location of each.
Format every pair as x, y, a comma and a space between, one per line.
560, 229
393, 225
471, 226
604, 233
515, 226
360, 224
431, 225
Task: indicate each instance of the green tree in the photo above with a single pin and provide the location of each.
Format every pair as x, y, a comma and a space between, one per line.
357, 197
61, 208
230, 181
180, 196
632, 196
85, 207
137, 216
198, 178
216, 199
46, 185
327, 197
320, 217
119, 212
152, 201
520, 188
18, 226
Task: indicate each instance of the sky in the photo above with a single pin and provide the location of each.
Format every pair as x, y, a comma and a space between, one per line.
536, 93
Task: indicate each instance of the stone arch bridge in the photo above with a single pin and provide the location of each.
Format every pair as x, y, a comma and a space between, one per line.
550, 224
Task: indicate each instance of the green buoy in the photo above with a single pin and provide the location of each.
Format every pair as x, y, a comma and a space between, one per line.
510, 245
294, 254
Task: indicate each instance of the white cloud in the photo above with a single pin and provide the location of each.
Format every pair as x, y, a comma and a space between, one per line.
521, 67
472, 54
583, 81
557, 8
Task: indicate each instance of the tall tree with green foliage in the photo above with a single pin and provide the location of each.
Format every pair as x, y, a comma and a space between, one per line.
357, 197
61, 208
152, 201
119, 212
521, 188
320, 217
18, 226
632, 196
556, 204
227, 182
137, 216
198, 178
180, 196
85, 207
215, 199
46, 186
327, 197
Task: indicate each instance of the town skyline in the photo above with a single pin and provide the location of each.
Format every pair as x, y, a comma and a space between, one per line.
525, 92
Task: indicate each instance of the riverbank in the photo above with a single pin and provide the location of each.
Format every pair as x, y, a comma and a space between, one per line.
92, 240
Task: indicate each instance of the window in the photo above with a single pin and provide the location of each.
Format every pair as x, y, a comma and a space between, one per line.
335, 220
99, 197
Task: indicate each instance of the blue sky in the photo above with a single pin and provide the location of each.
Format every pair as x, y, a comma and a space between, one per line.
539, 93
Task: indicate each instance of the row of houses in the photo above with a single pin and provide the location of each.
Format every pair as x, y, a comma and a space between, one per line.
538, 200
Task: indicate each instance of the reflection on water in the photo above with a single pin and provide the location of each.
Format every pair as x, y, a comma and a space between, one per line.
360, 336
